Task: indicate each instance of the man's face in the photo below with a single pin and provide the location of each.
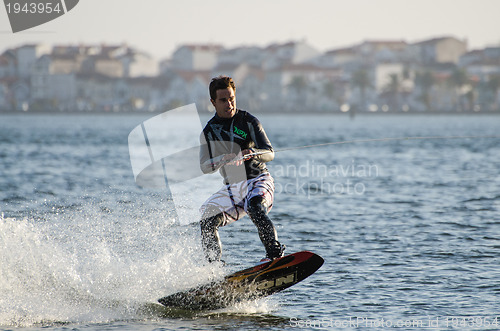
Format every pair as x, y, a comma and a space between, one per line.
225, 103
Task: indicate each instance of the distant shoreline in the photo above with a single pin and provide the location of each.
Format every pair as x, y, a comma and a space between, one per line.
263, 112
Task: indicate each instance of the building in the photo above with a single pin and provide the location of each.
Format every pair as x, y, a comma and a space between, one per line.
196, 57
8, 64
435, 74
26, 57
4, 95
482, 63
277, 55
380, 51
439, 50
301, 87
337, 58
138, 64
103, 64
250, 55
53, 81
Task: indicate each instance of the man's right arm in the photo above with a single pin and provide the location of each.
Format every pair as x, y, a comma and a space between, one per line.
209, 163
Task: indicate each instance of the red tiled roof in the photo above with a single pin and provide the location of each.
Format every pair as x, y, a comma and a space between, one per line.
204, 47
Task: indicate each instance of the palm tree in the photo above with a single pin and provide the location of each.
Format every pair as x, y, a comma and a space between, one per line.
334, 92
393, 88
494, 85
425, 80
329, 90
471, 97
361, 80
298, 85
458, 80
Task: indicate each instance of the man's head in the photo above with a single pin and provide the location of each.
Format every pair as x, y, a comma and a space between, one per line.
222, 96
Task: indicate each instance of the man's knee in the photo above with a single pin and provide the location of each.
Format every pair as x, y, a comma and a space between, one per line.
257, 205
211, 221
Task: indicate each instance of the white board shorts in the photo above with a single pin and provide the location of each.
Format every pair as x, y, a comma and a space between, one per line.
232, 200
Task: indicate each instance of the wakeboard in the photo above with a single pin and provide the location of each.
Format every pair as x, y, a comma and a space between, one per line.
259, 281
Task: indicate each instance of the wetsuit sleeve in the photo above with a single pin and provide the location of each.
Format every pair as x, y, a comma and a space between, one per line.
262, 143
208, 164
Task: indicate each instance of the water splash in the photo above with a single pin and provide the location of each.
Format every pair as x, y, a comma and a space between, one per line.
48, 276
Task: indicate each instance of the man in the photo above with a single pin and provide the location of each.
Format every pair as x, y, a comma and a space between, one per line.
235, 143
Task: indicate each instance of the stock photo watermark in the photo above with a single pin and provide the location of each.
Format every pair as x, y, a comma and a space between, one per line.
26, 14
158, 163
438, 322
313, 179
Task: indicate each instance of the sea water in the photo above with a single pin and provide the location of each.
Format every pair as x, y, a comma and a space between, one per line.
409, 228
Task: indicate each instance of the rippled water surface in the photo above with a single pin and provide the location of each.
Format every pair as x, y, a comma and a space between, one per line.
409, 228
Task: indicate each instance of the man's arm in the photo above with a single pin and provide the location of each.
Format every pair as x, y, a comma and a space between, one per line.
209, 163
262, 144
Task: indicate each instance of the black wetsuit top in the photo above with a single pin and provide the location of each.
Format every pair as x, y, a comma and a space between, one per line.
231, 135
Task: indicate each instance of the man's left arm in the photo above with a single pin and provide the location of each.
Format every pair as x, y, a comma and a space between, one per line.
263, 146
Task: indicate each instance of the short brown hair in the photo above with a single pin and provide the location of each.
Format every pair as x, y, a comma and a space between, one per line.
220, 83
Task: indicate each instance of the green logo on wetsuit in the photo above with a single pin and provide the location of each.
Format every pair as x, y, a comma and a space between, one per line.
240, 133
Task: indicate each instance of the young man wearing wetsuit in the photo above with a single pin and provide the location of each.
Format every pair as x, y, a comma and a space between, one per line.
235, 143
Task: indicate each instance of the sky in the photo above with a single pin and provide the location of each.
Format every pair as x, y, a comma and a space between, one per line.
158, 27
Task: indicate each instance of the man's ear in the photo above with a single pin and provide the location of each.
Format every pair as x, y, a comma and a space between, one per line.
213, 102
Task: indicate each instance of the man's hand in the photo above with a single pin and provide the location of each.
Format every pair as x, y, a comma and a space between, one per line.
237, 160
229, 158
246, 154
